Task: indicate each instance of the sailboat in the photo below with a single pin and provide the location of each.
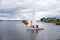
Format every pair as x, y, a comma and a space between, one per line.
34, 25
33, 22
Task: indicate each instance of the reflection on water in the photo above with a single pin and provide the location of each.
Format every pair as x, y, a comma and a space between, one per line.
33, 34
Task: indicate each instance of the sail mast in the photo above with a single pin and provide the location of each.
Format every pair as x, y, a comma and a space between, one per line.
33, 14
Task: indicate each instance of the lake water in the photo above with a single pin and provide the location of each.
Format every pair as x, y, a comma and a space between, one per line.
18, 31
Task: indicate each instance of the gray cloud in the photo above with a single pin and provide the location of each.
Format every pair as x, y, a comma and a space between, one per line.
16, 7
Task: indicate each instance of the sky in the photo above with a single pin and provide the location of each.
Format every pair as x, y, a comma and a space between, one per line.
23, 9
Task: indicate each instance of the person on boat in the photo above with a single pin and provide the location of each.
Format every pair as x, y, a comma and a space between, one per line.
33, 26
37, 26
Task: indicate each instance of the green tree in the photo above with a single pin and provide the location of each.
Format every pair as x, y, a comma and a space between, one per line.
42, 19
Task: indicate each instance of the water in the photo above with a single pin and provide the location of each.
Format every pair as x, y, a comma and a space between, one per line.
18, 31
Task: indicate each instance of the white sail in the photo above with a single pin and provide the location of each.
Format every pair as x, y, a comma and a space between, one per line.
34, 19
33, 15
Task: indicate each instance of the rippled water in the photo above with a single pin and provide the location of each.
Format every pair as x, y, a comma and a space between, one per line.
18, 31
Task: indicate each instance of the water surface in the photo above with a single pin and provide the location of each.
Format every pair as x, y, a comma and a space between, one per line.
18, 31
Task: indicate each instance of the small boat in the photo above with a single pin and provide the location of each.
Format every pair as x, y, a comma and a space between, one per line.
35, 28
33, 25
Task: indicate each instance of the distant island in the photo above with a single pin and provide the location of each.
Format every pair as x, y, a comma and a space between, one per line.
12, 20
51, 20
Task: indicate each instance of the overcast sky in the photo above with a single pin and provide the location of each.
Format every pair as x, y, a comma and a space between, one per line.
23, 9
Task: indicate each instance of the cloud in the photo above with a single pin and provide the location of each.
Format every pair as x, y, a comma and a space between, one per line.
23, 9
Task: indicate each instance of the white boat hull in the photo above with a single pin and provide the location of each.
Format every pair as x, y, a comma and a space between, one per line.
35, 28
